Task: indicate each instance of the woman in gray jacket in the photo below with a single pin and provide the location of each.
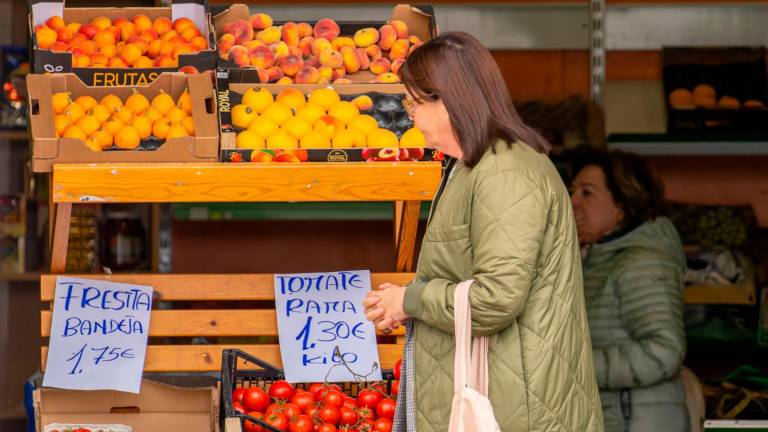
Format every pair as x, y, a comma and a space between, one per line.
633, 282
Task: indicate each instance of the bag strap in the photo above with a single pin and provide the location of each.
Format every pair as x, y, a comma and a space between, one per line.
470, 366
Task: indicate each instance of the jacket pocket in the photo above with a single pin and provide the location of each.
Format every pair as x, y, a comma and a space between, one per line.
456, 232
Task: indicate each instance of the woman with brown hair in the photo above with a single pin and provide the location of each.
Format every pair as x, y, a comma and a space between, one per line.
502, 218
633, 282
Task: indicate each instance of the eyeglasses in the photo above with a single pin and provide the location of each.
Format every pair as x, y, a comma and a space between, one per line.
409, 105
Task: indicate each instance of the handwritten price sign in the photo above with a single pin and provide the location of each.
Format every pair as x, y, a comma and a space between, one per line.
323, 331
98, 335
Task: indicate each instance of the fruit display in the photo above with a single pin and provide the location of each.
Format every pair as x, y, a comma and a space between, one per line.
111, 123
307, 123
123, 42
704, 96
320, 52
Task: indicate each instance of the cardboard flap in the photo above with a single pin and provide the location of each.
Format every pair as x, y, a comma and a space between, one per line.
234, 12
204, 111
192, 9
39, 89
419, 22
44, 9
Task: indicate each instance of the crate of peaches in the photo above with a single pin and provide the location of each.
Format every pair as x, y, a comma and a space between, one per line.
172, 119
316, 123
111, 46
323, 51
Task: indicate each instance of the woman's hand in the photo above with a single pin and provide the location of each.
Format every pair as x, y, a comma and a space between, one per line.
384, 307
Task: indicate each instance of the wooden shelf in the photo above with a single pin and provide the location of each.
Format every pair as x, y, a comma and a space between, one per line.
20, 277
218, 182
740, 294
14, 135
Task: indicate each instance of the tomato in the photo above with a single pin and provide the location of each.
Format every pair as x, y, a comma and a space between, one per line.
397, 369
291, 410
237, 395
238, 407
251, 426
303, 399
386, 408
382, 425
301, 423
312, 411
319, 390
329, 414
277, 421
350, 402
395, 388
281, 390
255, 399
365, 413
333, 398
369, 398
347, 416
326, 428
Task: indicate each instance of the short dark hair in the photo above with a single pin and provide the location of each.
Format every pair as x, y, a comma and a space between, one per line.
635, 188
457, 69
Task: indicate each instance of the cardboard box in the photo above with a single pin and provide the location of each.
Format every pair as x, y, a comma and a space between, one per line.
420, 20
158, 407
232, 83
47, 149
762, 327
47, 61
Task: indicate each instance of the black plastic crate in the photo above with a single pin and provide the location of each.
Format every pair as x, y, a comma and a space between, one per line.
233, 377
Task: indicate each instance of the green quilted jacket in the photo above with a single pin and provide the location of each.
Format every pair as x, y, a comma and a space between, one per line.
634, 291
507, 223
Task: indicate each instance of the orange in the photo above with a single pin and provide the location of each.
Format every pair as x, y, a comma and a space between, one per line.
185, 102
189, 124
263, 126
243, 115
130, 53
86, 102
176, 115
249, 139
259, 100
103, 138
381, 138
364, 124
124, 114
153, 114
413, 138
324, 97
113, 126
93, 145
61, 122
74, 111
60, 101
143, 126
163, 103
292, 98
137, 102
88, 124
160, 128
101, 113
74, 132
278, 113
315, 139
177, 131
344, 111
310, 113
111, 102
127, 138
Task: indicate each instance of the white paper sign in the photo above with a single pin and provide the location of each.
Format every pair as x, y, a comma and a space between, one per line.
98, 335
321, 322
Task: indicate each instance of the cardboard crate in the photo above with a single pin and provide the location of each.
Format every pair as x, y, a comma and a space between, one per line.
158, 407
232, 83
420, 20
47, 61
47, 149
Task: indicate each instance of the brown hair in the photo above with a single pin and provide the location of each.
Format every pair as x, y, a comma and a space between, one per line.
634, 187
457, 69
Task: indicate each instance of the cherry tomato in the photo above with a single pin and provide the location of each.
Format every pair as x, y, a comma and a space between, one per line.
256, 399
333, 398
281, 390
350, 402
277, 421
237, 395
301, 423
312, 411
395, 388
329, 414
326, 428
397, 369
303, 399
348, 416
386, 408
238, 407
369, 398
365, 413
251, 426
382, 425
291, 410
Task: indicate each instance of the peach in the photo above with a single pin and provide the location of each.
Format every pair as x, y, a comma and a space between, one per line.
117, 62
189, 70
294, 50
261, 56
284, 80
119, 22
351, 60
115, 32
59, 47
290, 64
142, 62
242, 31
200, 43
280, 49
127, 31
366, 37
239, 55
401, 28
64, 34
81, 61
261, 21
182, 23
387, 78
74, 27
326, 72
323, 81
399, 49
190, 33
307, 75
387, 37
226, 41
89, 47
290, 33
275, 73
305, 44
374, 52
363, 102
415, 40
305, 30
165, 61
362, 57
313, 61
162, 25
150, 35
338, 73
380, 66
142, 22
101, 22
111, 50
343, 81
141, 43
340, 42
55, 22
170, 34
327, 28
184, 49
319, 45
396, 65
251, 44
332, 58
89, 30
269, 35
